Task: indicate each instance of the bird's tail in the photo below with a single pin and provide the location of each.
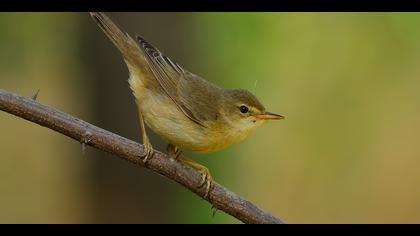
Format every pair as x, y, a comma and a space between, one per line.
128, 46
133, 55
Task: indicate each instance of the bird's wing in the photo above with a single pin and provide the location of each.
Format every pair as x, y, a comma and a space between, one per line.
175, 81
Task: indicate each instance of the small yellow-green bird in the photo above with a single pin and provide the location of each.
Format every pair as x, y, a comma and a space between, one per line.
187, 111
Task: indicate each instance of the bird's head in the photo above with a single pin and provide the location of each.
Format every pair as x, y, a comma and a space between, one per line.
244, 112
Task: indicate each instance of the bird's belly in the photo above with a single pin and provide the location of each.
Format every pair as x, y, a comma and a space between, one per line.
165, 119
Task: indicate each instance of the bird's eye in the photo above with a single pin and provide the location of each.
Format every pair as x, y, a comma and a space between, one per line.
243, 109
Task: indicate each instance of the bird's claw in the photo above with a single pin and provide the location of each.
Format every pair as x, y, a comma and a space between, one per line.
206, 179
148, 149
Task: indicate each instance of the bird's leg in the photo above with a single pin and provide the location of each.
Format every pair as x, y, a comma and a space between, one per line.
176, 154
205, 173
148, 148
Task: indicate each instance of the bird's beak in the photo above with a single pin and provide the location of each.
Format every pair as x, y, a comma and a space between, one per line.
270, 116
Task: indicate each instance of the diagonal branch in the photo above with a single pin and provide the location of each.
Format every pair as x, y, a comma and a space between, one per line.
220, 197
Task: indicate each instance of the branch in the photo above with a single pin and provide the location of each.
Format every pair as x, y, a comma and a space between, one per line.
220, 197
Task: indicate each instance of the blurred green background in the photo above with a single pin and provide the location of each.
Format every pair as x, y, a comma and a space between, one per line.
348, 84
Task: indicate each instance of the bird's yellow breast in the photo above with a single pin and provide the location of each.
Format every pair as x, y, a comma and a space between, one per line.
166, 120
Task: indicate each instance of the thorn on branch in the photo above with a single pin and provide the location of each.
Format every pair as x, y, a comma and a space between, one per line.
35, 96
86, 138
214, 210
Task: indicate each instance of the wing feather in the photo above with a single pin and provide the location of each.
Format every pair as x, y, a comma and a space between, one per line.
171, 77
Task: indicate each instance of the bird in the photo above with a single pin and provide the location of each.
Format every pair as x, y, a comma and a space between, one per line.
185, 110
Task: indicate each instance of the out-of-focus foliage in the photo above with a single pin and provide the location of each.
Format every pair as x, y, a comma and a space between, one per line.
40, 178
349, 86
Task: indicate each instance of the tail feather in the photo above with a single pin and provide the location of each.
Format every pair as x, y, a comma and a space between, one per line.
134, 57
128, 46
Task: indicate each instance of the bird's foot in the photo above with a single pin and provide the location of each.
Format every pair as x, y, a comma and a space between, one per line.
173, 152
206, 179
148, 149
